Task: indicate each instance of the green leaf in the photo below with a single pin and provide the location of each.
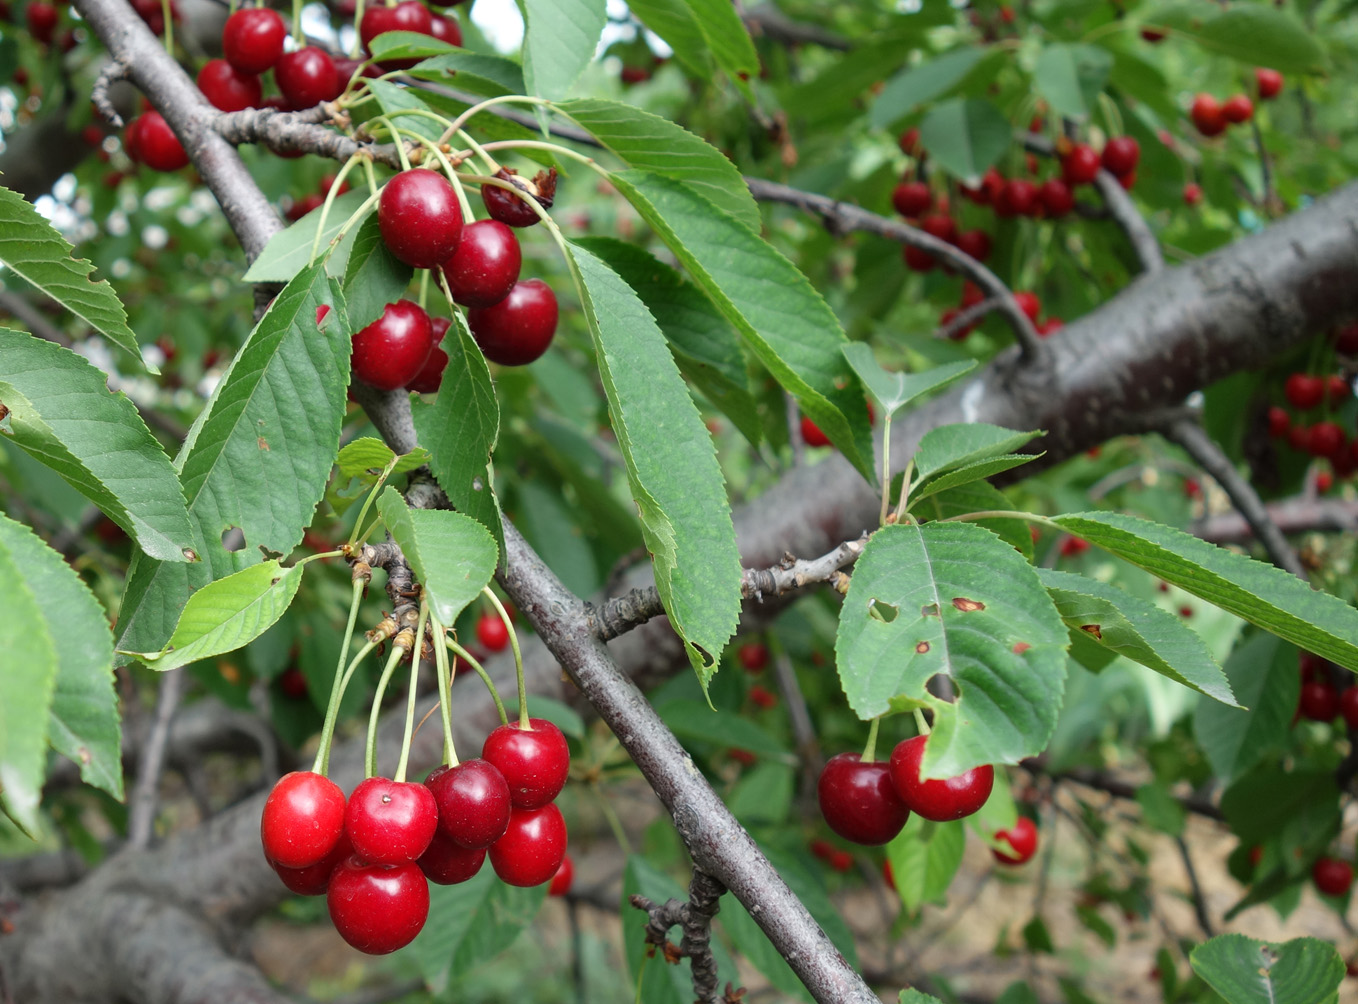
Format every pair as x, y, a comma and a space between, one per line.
373, 277
979, 496
452, 555
32, 249
63, 414
965, 136
784, 321
924, 858
763, 794
1255, 34
694, 720
1038, 937
481, 74
460, 429
976, 470
288, 251
562, 715
1071, 77
954, 599
1160, 810
648, 142
26, 688
677, 23
367, 457
1259, 593
750, 941
727, 38
1263, 674
227, 614
82, 723
920, 85
671, 466
892, 390
259, 455
1139, 630
1246, 971
950, 447
916, 997
1272, 798
705, 345
559, 41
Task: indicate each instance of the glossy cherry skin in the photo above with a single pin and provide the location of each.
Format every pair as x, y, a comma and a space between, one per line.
1207, 115
514, 210
378, 908
486, 264
1022, 840
390, 822
156, 144
473, 802
445, 29
1121, 154
409, 15
1332, 876
448, 863
1237, 109
561, 881
307, 77
303, 819
942, 799
1056, 198
418, 215
534, 762
753, 656
1304, 391
1319, 701
491, 632
858, 800
532, 848
1017, 198
430, 377
519, 328
227, 89
388, 353
1270, 83
314, 880
1081, 165
252, 39
912, 198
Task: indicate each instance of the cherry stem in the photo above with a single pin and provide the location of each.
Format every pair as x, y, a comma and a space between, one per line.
429, 145
886, 465
518, 658
166, 8
370, 751
357, 215
536, 144
299, 34
487, 161
870, 750
330, 198
904, 502
1004, 514
322, 763
445, 691
400, 146
458, 650
317, 557
503, 99
920, 722
401, 764
356, 48
424, 289
354, 536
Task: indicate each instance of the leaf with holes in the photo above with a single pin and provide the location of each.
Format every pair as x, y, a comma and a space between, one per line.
954, 599
64, 416
452, 555
367, 457
1141, 631
559, 40
1261, 594
1245, 971
892, 390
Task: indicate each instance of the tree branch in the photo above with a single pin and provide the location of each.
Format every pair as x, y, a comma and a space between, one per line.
145, 794
695, 918
1295, 515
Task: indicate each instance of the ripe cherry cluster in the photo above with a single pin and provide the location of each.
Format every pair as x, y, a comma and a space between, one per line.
1320, 700
1211, 116
972, 296
374, 854
1326, 439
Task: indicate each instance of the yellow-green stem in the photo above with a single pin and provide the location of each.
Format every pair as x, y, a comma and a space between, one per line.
904, 502
480, 670
504, 99
518, 657
870, 750
370, 753
920, 722
401, 764
886, 467
367, 502
322, 762
445, 691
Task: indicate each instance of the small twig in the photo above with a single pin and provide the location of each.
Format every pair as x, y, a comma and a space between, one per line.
968, 317
1265, 169
803, 729
767, 21
1301, 514
1191, 436
114, 70
144, 800
695, 919
1099, 780
1199, 900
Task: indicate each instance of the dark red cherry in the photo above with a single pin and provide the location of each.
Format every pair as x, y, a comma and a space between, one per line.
1332, 876
226, 88
532, 848
491, 632
156, 144
1029, 304
390, 352
1237, 108
519, 328
1304, 391
858, 800
42, 20
419, 217
505, 206
1326, 439
409, 15
975, 243
314, 879
561, 881
534, 762
307, 77
1270, 83
390, 822
252, 40
448, 863
485, 265
303, 819
445, 29
1348, 706
812, 435
1120, 155
1081, 165
1022, 841
912, 198
753, 656
1018, 197
941, 799
378, 908
1056, 198
430, 377
473, 802
1319, 701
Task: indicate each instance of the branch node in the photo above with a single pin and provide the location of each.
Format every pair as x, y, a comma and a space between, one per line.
114, 70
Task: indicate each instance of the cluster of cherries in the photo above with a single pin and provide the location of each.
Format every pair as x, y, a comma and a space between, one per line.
972, 296
1320, 700
1325, 439
374, 854
1211, 116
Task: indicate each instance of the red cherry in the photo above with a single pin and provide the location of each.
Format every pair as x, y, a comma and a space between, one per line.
292, 683
561, 881
939, 225
762, 697
409, 15
388, 353
314, 879
1319, 701
1120, 155
151, 141
1056, 198
1081, 165
1207, 115
958, 334
1192, 193
941, 799
971, 295
753, 656
1304, 391
858, 800
1278, 422
1029, 304
534, 762
744, 757
975, 243
822, 848
307, 77
1237, 109
1332, 876
390, 822
917, 259
519, 328
252, 39
630, 75
226, 88
430, 377
1048, 326
418, 214
449, 863
912, 198
303, 819
1336, 388
1022, 841
1270, 83
505, 206
909, 142
42, 20
378, 908
492, 633
1348, 706
1326, 439
1299, 437
1017, 198
1071, 546
1324, 481
485, 266
841, 861
533, 847
811, 433
473, 802
445, 29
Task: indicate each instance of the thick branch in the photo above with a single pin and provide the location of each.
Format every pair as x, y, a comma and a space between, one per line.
1294, 515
